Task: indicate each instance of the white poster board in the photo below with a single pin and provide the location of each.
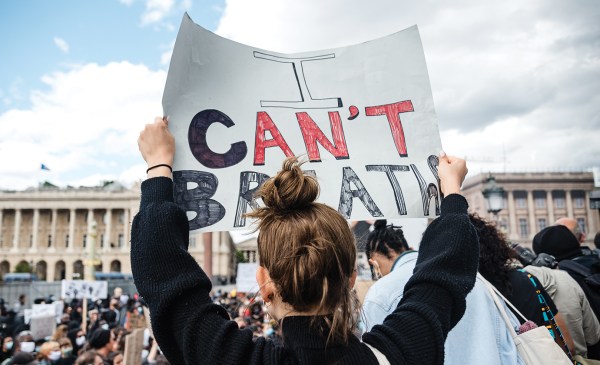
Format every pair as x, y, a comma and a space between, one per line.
362, 115
245, 281
43, 320
80, 289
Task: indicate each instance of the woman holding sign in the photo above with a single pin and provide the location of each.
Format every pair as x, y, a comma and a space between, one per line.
306, 271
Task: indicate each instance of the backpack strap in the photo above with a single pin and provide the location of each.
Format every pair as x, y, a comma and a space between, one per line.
575, 267
381, 358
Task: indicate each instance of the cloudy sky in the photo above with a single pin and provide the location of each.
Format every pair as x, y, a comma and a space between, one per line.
516, 84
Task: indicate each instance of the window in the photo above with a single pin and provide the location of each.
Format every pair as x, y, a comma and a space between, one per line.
581, 223
84, 240
578, 199
523, 229
30, 240
542, 223
521, 200
559, 199
67, 240
122, 218
539, 198
49, 240
101, 240
121, 240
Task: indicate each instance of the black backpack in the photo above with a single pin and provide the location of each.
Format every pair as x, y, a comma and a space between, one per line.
587, 279
590, 283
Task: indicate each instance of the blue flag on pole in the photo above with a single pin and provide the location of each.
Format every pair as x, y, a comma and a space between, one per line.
44, 167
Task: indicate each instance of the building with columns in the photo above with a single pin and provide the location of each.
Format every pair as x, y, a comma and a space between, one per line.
533, 201
49, 227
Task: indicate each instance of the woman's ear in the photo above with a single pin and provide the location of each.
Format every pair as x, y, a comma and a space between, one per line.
353, 277
264, 283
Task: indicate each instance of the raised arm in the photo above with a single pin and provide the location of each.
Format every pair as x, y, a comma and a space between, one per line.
434, 297
189, 328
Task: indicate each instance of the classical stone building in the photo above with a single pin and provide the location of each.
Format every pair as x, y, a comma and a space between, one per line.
533, 201
49, 229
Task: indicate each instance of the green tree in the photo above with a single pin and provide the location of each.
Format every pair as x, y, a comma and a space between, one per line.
23, 267
239, 257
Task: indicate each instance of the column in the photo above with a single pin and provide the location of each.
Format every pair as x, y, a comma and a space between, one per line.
125, 230
531, 211
207, 240
68, 269
50, 269
512, 229
591, 221
72, 217
53, 231
1, 225
569, 202
90, 219
107, 229
17, 232
550, 205
36, 229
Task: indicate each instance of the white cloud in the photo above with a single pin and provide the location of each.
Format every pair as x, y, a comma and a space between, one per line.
61, 44
85, 125
515, 79
165, 57
156, 11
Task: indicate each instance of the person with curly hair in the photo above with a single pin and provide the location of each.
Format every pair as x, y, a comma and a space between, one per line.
497, 264
306, 271
482, 325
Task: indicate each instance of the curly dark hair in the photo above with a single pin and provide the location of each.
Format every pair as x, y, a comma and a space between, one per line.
386, 238
494, 254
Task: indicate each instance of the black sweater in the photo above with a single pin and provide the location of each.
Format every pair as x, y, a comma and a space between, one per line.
192, 330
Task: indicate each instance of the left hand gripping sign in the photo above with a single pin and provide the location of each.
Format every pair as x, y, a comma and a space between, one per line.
361, 115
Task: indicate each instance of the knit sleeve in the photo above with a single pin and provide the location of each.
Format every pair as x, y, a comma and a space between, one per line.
189, 328
434, 297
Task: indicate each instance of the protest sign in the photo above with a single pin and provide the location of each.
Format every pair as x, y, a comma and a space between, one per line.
245, 281
134, 344
84, 289
362, 115
42, 320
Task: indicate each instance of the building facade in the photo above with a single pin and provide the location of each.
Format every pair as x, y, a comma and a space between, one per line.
50, 229
533, 201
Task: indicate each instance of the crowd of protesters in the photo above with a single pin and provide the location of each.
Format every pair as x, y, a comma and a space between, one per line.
97, 339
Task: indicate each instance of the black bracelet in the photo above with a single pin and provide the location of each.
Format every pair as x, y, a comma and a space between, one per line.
159, 165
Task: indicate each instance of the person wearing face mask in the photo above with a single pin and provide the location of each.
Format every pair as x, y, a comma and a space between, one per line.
77, 337
66, 349
26, 342
49, 353
8, 348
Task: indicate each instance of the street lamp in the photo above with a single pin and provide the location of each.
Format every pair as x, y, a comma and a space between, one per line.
494, 196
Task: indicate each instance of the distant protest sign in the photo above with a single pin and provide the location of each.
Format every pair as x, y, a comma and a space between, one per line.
43, 320
362, 115
245, 281
80, 289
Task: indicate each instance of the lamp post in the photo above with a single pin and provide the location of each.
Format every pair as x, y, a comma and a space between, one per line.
494, 196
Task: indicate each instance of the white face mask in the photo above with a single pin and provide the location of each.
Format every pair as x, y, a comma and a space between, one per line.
80, 340
54, 355
9, 345
27, 346
104, 326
